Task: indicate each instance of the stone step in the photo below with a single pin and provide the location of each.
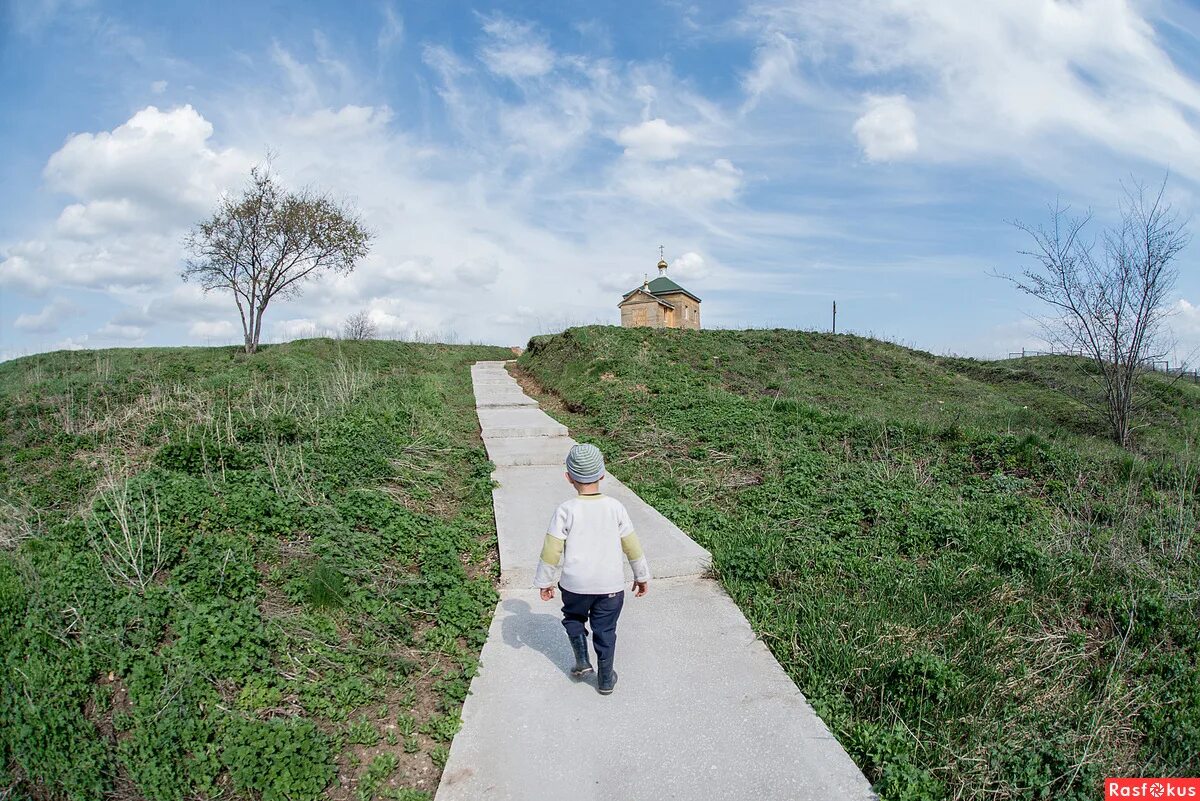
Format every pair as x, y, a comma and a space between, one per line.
513, 451
527, 422
486, 399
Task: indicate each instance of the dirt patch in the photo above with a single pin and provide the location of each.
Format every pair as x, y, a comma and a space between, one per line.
533, 388
741, 478
489, 567
415, 770
123, 787
102, 719
429, 479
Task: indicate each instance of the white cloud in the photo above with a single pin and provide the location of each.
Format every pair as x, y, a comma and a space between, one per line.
183, 302
31, 16
653, 140
137, 188
1188, 315
1000, 340
81, 342
300, 328
519, 316
1028, 79
388, 324
682, 185
391, 31
689, 265
514, 51
327, 59
1184, 322
622, 282
544, 129
46, 321
775, 62
22, 267
348, 122
123, 333
91, 220
212, 329
888, 129
413, 273
305, 92
157, 159
478, 271
158, 87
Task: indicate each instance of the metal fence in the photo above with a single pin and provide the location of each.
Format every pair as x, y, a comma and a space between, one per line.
1163, 366
1023, 353
1157, 365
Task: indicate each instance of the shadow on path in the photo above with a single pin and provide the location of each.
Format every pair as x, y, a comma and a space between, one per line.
524, 628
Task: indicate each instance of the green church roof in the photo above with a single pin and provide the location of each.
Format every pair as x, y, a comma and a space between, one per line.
633, 292
665, 286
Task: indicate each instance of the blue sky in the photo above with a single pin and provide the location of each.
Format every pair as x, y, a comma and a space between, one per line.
521, 162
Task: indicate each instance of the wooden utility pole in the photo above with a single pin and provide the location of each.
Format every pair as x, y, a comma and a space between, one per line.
835, 317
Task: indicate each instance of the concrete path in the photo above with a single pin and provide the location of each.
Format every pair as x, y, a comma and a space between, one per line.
701, 711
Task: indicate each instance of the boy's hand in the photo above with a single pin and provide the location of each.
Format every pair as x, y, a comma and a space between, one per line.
640, 588
547, 593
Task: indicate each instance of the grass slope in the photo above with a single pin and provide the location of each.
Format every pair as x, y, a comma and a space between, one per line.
239, 577
980, 595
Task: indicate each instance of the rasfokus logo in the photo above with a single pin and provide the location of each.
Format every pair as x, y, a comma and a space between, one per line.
1151, 788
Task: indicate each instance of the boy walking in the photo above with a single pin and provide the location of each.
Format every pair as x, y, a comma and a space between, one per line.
588, 535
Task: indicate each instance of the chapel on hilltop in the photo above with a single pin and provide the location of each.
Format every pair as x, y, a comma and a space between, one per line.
660, 303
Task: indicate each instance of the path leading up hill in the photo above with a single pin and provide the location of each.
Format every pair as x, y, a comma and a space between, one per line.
702, 710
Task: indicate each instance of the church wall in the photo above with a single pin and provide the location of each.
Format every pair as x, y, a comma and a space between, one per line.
642, 311
687, 311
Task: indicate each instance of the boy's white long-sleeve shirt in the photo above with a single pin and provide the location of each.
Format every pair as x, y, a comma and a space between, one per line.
588, 541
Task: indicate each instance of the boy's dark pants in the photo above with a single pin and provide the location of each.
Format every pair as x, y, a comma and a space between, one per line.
601, 610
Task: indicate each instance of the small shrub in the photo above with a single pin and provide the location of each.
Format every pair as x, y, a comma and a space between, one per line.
886, 756
923, 683
279, 428
405, 794
200, 456
15, 527
442, 727
326, 587
1019, 556
284, 760
377, 772
127, 531
362, 732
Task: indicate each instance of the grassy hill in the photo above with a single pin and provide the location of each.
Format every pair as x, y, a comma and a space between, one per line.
980, 594
226, 576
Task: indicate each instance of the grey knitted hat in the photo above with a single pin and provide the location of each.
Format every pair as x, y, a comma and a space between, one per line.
585, 463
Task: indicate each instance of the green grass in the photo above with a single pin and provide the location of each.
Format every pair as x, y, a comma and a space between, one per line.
219, 573
980, 594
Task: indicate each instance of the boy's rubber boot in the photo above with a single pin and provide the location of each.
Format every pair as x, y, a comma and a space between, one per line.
607, 678
583, 665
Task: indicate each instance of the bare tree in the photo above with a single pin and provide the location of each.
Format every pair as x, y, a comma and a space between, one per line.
359, 326
267, 242
1109, 297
